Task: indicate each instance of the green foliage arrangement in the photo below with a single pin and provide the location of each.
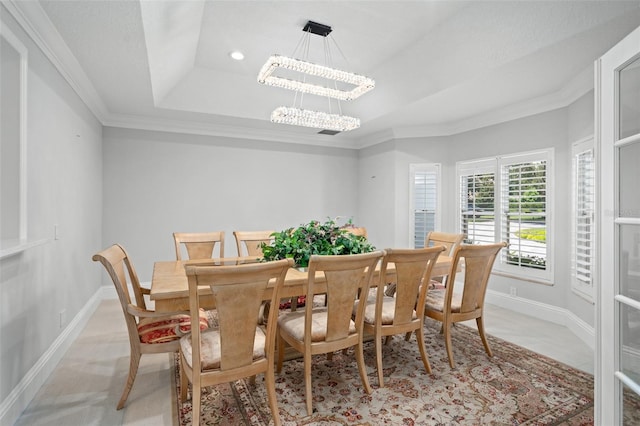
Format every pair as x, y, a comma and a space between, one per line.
314, 238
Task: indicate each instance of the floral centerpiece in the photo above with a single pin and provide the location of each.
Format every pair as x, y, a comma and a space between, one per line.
314, 238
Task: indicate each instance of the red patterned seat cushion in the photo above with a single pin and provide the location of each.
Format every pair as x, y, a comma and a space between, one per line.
162, 330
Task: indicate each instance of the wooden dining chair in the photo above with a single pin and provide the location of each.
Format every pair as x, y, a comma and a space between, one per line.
149, 332
447, 306
199, 245
238, 347
450, 243
326, 329
386, 316
249, 243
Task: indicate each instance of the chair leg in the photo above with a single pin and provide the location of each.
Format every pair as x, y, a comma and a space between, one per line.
446, 330
423, 350
271, 394
134, 362
196, 395
378, 346
362, 368
184, 381
407, 337
485, 342
307, 383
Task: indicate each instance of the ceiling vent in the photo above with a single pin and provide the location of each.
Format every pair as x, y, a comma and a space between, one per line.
328, 132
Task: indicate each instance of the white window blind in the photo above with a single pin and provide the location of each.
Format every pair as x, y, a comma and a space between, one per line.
583, 217
477, 202
424, 200
508, 199
524, 213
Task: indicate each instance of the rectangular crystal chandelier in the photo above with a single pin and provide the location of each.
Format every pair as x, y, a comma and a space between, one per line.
316, 119
302, 117
363, 84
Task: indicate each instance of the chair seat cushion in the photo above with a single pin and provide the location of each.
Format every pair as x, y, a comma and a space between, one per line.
167, 329
210, 348
388, 311
435, 301
293, 323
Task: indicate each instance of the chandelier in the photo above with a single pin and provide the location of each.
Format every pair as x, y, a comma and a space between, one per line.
351, 86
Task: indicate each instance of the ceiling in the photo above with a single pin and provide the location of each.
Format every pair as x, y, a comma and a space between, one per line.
440, 67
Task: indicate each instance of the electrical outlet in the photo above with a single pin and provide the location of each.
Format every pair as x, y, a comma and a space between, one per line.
63, 318
56, 232
513, 291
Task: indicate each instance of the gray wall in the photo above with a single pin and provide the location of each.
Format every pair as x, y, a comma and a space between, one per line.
389, 163
159, 183
64, 163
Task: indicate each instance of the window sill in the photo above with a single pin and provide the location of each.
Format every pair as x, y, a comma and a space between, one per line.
522, 278
13, 247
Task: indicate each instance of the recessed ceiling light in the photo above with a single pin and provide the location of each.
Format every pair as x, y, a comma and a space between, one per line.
237, 55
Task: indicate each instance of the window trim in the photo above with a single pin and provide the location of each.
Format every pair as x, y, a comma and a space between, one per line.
12, 246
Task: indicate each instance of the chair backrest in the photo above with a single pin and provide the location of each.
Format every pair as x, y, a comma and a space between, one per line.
478, 263
238, 292
413, 268
199, 245
359, 231
249, 242
449, 241
125, 279
346, 276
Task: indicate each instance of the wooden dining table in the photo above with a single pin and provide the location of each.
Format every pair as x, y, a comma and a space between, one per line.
170, 287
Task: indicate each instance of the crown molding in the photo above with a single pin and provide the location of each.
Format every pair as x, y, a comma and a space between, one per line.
219, 130
38, 26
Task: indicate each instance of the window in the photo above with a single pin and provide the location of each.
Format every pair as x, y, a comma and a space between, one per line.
477, 202
424, 201
583, 231
507, 199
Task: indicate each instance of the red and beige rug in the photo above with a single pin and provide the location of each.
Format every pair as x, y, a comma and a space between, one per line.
515, 387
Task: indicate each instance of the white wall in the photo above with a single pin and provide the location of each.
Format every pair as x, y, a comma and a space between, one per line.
64, 163
159, 183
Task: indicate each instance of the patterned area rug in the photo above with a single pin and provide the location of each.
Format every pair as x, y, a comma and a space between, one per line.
515, 387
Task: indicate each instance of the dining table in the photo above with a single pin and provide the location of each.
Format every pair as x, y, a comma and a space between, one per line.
170, 287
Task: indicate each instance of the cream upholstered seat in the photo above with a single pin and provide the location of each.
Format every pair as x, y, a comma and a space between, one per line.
449, 307
199, 245
149, 332
249, 243
326, 329
387, 316
237, 347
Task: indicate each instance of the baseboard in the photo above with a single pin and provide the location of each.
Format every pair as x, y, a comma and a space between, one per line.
15, 403
551, 313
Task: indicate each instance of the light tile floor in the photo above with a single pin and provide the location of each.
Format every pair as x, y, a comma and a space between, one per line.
85, 387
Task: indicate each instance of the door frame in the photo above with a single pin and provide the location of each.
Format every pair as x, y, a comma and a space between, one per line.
607, 389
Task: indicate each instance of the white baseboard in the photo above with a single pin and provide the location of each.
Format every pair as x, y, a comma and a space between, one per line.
551, 313
15, 403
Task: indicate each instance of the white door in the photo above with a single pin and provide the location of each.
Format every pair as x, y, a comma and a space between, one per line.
617, 371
